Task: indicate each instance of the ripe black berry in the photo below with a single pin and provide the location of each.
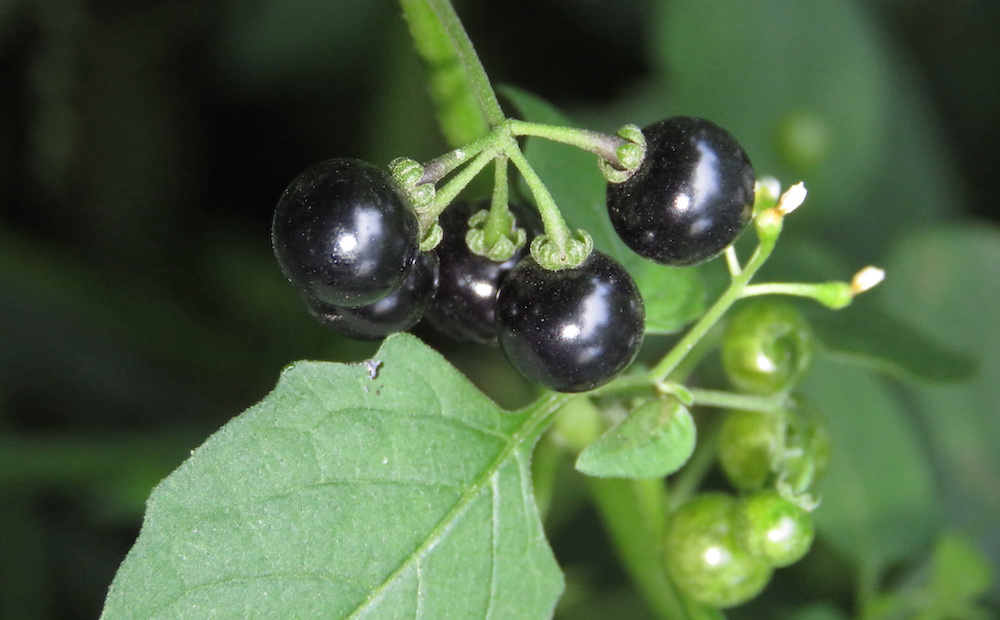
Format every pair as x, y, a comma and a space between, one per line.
344, 234
464, 307
570, 330
396, 312
691, 197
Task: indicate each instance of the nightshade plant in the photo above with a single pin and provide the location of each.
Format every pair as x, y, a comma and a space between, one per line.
394, 488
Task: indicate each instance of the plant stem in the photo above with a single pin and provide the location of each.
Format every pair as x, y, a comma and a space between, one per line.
556, 230
689, 480
456, 103
796, 289
441, 166
600, 144
634, 514
498, 221
454, 187
474, 71
731, 400
731, 295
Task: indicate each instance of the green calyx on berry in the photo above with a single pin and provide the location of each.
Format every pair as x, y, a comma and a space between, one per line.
464, 307
629, 155
570, 254
409, 175
505, 245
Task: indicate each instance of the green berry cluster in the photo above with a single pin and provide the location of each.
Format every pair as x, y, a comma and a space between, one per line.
720, 548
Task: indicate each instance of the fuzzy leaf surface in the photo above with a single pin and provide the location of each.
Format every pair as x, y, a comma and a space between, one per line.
654, 441
389, 489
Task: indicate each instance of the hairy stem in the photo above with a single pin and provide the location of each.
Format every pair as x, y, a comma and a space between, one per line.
633, 512
467, 56
498, 221
556, 230
600, 144
732, 294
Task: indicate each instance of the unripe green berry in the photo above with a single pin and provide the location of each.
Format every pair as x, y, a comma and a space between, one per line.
705, 557
749, 443
767, 347
773, 528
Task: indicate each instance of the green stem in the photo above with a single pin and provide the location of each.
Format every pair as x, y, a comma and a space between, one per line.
441, 166
498, 221
454, 187
732, 400
545, 460
689, 480
455, 102
731, 295
600, 144
556, 230
634, 514
474, 71
796, 289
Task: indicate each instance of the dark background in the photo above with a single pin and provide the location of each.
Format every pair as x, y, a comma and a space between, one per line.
142, 147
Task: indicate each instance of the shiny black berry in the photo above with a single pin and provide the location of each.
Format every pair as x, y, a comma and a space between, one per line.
396, 312
464, 307
570, 330
691, 197
344, 234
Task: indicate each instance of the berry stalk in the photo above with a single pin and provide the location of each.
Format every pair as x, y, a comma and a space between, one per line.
604, 146
427, 36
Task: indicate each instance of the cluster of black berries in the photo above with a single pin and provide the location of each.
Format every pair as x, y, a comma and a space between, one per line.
347, 237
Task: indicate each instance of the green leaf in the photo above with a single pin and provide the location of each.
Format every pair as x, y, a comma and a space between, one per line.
653, 441
459, 112
674, 297
947, 586
959, 572
873, 337
385, 489
803, 85
879, 503
943, 280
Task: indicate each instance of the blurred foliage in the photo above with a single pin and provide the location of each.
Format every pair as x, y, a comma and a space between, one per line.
143, 144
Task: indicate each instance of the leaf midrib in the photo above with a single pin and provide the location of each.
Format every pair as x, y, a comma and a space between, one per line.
535, 416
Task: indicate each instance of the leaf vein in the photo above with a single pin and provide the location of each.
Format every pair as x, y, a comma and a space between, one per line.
460, 507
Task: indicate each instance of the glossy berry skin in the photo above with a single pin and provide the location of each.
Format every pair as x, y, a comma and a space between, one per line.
773, 528
570, 330
396, 312
690, 198
464, 307
705, 556
344, 234
767, 347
